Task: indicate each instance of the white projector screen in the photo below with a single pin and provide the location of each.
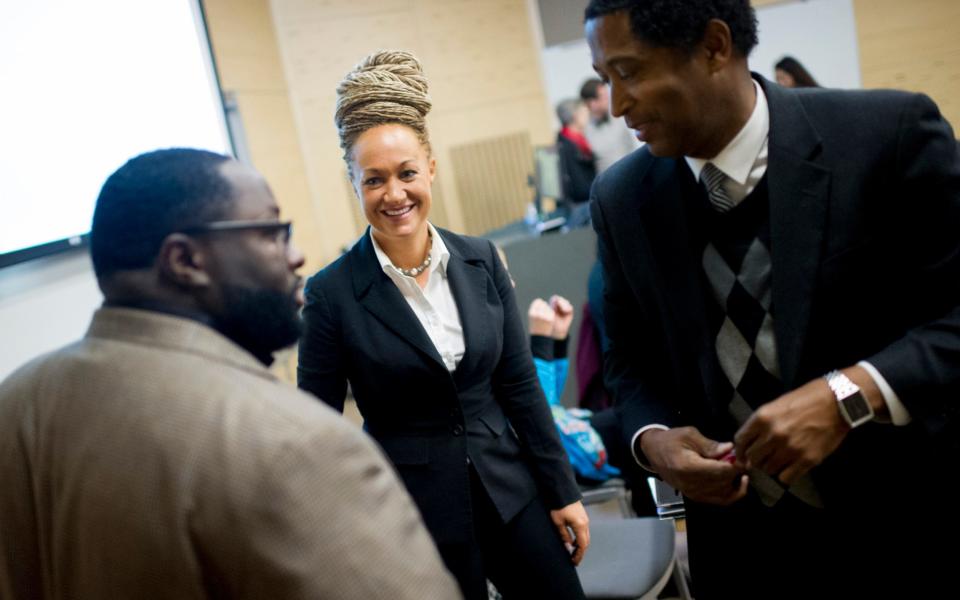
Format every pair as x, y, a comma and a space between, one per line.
88, 85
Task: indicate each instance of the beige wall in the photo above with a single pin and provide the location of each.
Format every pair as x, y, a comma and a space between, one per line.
284, 59
480, 58
910, 45
914, 46
245, 46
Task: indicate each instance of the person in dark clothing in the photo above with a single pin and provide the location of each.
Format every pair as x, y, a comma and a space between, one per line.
577, 166
782, 300
423, 324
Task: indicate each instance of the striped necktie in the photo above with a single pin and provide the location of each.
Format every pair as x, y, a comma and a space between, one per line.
713, 179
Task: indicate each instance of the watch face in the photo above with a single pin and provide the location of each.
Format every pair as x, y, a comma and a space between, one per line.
857, 407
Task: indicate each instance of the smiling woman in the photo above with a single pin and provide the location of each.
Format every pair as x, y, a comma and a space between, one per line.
392, 173
424, 325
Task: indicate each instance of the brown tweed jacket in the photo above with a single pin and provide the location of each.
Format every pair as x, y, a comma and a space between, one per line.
157, 459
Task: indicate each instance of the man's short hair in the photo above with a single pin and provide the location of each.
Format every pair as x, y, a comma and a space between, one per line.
148, 198
681, 24
589, 89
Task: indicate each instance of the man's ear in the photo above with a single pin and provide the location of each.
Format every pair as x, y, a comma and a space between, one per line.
183, 261
717, 44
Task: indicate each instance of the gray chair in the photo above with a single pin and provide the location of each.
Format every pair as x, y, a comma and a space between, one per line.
629, 557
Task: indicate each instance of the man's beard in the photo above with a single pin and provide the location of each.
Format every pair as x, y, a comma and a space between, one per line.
260, 320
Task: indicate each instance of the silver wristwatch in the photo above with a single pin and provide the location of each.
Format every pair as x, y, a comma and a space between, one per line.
850, 400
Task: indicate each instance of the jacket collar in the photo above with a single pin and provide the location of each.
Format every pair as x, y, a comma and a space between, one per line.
172, 332
374, 290
799, 188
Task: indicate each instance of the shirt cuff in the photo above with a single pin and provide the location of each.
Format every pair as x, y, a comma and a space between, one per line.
541, 346
899, 415
633, 444
560, 347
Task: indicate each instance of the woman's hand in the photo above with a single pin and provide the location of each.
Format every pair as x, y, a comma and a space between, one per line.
563, 317
541, 318
573, 516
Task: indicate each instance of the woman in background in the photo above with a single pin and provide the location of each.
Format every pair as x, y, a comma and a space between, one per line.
790, 73
424, 325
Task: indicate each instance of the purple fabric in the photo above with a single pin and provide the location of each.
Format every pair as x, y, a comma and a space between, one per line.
591, 393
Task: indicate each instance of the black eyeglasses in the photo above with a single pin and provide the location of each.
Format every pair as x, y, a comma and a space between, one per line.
282, 229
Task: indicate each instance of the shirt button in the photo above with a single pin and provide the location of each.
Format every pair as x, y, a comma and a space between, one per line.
458, 429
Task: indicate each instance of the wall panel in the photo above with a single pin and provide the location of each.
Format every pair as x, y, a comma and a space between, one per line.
481, 59
914, 46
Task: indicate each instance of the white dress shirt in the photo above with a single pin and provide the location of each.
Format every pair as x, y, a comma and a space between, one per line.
744, 162
433, 304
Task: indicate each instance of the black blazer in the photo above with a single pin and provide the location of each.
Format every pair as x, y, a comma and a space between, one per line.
429, 421
864, 196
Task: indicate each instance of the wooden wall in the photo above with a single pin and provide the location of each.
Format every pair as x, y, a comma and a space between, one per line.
914, 46
284, 59
248, 58
910, 45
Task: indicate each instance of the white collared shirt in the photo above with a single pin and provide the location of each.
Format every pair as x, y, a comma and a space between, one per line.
433, 304
744, 159
744, 162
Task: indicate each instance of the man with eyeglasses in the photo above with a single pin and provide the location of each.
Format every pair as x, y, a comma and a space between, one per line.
158, 457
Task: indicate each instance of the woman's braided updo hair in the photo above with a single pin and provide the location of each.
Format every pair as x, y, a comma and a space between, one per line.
386, 87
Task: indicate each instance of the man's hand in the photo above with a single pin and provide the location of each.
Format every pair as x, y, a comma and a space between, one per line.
794, 433
573, 516
691, 463
563, 317
541, 318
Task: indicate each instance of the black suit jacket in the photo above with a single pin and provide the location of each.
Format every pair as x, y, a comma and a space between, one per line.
864, 196
428, 420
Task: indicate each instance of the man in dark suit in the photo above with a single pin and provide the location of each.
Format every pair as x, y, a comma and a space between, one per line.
782, 287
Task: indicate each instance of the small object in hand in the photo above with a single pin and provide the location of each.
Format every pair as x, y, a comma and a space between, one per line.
729, 457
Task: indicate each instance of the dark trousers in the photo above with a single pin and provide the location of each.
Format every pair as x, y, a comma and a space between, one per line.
524, 558
748, 551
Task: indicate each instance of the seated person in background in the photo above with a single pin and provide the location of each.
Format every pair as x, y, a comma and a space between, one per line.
158, 457
577, 168
549, 329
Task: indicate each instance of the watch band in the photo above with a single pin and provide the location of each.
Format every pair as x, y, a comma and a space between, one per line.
851, 402
841, 384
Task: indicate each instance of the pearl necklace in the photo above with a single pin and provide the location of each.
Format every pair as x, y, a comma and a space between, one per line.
414, 271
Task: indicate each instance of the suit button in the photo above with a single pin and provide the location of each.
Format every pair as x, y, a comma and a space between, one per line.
458, 429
